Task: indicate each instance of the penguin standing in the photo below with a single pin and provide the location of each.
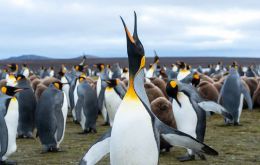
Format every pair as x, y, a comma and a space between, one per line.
100, 89
189, 115
135, 135
232, 95
66, 86
51, 115
9, 115
75, 95
114, 94
27, 106
86, 107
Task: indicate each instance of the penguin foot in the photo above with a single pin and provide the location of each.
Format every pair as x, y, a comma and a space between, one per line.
186, 158
89, 130
202, 156
8, 162
22, 136
237, 124
75, 121
53, 149
105, 124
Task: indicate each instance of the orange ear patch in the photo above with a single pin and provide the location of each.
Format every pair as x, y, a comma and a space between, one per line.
173, 84
4, 90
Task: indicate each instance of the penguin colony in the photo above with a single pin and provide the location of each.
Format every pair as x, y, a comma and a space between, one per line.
149, 110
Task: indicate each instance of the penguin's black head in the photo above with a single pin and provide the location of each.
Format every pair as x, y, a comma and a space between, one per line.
58, 85
156, 58
79, 68
24, 65
100, 66
13, 67
125, 70
135, 50
182, 65
108, 66
112, 82
82, 77
20, 77
61, 72
172, 89
195, 79
10, 91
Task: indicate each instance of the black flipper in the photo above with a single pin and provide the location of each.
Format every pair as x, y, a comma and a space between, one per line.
3, 136
178, 138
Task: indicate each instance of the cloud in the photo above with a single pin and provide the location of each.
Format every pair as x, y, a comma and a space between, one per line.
67, 28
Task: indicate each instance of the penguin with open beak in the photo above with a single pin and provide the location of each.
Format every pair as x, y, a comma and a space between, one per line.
136, 131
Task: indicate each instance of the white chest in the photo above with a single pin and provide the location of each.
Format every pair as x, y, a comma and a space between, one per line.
112, 102
132, 138
185, 116
11, 119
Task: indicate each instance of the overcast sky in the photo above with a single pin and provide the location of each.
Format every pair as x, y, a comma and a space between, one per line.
67, 28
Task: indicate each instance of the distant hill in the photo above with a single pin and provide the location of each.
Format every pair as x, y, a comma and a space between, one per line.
38, 58
27, 58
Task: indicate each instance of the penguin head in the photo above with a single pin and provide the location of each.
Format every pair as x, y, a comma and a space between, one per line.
13, 67
82, 77
112, 82
101, 67
79, 68
10, 91
125, 70
195, 79
135, 50
156, 58
172, 89
20, 77
58, 85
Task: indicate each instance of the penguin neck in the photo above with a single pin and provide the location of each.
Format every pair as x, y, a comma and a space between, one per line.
136, 90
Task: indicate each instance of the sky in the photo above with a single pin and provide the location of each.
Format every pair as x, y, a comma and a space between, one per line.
69, 28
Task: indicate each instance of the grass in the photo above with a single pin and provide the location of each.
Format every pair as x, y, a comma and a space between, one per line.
236, 145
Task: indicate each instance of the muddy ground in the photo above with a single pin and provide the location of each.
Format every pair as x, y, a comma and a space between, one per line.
236, 145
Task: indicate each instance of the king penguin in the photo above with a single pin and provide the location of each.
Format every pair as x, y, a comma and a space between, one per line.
232, 95
189, 110
86, 107
27, 106
151, 72
9, 115
51, 115
135, 135
114, 94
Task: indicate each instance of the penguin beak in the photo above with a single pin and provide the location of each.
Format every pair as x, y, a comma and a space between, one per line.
128, 35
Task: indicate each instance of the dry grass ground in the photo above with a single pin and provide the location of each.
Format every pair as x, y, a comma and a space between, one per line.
236, 145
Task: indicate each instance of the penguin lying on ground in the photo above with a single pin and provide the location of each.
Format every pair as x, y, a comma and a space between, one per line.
27, 106
189, 112
136, 130
232, 95
51, 115
9, 115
